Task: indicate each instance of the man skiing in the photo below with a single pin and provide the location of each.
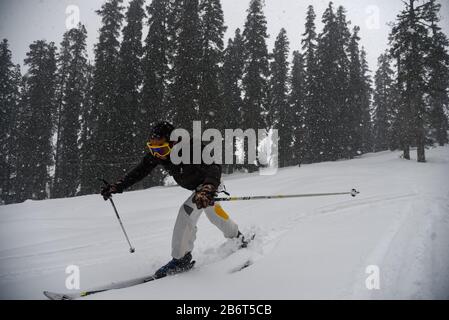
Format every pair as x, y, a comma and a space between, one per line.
203, 179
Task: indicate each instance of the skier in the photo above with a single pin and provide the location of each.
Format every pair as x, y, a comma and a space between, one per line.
202, 179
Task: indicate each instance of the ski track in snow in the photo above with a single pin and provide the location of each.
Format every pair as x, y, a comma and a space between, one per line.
304, 248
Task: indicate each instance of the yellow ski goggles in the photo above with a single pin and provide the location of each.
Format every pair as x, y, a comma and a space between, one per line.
162, 150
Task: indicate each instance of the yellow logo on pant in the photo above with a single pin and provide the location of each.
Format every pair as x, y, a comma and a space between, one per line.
220, 212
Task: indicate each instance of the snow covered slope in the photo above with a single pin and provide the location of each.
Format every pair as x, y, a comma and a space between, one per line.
305, 248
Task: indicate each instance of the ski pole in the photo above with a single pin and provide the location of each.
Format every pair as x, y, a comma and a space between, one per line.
131, 248
353, 193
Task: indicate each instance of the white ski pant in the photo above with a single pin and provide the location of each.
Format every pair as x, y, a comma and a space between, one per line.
184, 233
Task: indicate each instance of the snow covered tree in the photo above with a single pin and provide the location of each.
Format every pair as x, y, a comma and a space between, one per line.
357, 117
155, 68
35, 123
384, 103
299, 113
409, 38
129, 79
87, 130
333, 77
103, 144
184, 93
338, 135
352, 117
256, 68
63, 62
366, 125
159, 49
10, 81
232, 74
281, 114
326, 72
73, 94
232, 78
210, 99
438, 80
312, 108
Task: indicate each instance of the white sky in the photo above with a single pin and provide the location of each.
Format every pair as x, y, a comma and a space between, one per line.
23, 21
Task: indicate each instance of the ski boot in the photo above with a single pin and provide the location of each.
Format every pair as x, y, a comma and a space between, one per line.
175, 266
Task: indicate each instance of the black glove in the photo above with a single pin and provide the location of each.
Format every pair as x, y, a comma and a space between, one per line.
110, 189
204, 197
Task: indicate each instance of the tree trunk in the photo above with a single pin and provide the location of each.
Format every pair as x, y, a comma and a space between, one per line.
420, 143
406, 150
421, 153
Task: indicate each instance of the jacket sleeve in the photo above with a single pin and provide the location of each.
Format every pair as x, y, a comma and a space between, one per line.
143, 169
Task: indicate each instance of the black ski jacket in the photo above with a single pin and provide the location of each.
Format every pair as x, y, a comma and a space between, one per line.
188, 176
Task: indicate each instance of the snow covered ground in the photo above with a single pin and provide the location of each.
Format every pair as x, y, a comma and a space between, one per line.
305, 248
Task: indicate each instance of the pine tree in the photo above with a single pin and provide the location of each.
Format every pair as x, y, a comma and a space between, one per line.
210, 100
326, 71
438, 80
384, 104
352, 120
280, 114
174, 12
10, 80
333, 71
22, 122
35, 123
129, 77
394, 138
159, 50
87, 130
314, 126
409, 39
256, 69
186, 69
232, 78
12, 143
67, 164
155, 68
63, 61
298, 116
338, 137
232, 89
105, 117
366, 124
356, 119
